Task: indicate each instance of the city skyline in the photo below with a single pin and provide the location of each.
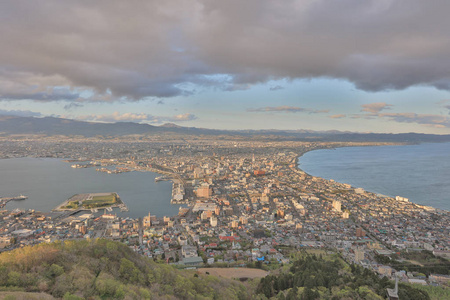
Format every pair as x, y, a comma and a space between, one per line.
377, 66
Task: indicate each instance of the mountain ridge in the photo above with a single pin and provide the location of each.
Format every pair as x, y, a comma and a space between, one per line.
13, 125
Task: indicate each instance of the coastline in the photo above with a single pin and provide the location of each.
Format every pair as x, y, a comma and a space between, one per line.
297, 161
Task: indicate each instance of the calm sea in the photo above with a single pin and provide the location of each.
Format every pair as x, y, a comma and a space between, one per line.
418, 172
48, 182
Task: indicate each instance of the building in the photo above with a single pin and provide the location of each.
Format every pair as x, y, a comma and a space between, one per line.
204, 191
398, 198
204, 206
147, 221
337, 205
259, 172
243, 220
5, 241
206, 214
360, 232
442, 279
359, 191
188, 251
192, 261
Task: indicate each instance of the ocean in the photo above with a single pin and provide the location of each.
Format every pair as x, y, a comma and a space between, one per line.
418, 172
48, 182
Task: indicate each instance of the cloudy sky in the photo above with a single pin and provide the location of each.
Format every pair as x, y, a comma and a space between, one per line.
367, 66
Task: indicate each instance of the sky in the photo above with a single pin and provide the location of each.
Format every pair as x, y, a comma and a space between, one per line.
349, 65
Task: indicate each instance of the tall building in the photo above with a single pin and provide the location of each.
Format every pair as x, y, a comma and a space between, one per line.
147, 222
337, 205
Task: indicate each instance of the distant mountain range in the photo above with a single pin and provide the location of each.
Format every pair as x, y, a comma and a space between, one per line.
51, 126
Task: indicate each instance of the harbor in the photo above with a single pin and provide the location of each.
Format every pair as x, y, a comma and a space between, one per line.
37, 179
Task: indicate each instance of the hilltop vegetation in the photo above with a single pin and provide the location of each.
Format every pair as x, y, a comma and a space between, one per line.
103, 269
313, 277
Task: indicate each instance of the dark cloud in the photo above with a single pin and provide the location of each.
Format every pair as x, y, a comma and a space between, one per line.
448, 107
133, 50
20, 113
437, 121
276, 88
73, 105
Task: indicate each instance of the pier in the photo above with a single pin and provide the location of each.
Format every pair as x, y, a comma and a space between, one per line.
5, 200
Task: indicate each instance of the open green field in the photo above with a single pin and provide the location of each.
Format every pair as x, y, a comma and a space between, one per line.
100, 201
90, 201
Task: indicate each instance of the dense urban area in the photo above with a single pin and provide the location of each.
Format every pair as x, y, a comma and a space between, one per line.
247, 205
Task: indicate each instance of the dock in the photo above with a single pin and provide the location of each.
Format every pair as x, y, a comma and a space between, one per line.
5, 200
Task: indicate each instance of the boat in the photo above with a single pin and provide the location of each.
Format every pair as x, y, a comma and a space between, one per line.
162, 178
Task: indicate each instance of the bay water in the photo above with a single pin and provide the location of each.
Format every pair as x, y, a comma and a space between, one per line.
48, 182
418, 172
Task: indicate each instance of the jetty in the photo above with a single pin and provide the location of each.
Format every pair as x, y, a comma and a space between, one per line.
5, 200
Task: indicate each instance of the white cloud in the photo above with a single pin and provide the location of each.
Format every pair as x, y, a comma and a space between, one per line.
286, 109
20, 113
340, 116
136, 117
375, 107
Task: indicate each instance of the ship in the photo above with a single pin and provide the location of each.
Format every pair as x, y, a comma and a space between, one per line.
78, 166
162, 178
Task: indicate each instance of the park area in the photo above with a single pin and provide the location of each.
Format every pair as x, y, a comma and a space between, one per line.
90, 201
100, 200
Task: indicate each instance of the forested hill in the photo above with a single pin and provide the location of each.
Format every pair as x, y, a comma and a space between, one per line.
103, 269
312, 277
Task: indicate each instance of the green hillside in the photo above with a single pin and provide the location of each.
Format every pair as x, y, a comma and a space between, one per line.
103, 269
329, 277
